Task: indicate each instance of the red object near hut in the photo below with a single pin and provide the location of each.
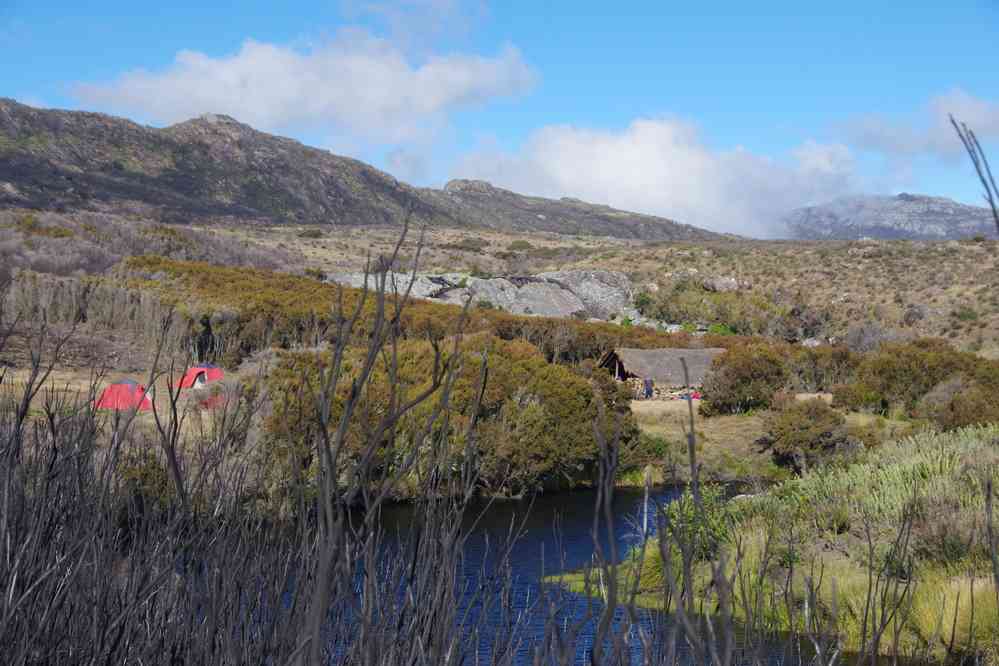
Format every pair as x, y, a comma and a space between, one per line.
200, 374
124, 396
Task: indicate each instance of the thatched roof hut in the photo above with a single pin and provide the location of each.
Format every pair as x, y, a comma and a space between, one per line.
660, 365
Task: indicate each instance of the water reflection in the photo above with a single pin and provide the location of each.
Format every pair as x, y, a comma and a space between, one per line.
556, 535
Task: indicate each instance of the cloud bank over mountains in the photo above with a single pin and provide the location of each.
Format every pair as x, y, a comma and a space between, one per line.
664, 167
355, 83
398, 92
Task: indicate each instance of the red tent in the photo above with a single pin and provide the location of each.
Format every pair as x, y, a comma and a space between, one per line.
124, 396
200, 375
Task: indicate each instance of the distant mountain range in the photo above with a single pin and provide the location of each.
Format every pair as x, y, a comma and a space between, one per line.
214, 168
912, 216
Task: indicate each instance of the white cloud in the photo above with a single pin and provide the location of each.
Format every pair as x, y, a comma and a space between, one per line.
419, 24
409, 164
353, 83
930, 133
663, 167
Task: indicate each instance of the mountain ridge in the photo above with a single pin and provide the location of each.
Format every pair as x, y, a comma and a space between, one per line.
900, 216
214, 168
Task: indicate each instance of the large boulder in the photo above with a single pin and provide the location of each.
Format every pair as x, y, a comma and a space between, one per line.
424, 286
531, 296
595, 294
604, 293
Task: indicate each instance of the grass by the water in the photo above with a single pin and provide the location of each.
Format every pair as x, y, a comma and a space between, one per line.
837, 526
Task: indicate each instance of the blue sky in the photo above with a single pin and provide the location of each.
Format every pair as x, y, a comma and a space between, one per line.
720, 114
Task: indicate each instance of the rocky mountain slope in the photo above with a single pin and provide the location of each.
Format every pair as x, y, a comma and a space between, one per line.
215, 168
911, 216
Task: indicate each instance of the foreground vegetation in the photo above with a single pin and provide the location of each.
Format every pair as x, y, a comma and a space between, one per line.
895, 553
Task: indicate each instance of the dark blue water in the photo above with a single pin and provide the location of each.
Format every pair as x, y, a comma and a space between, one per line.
555, 536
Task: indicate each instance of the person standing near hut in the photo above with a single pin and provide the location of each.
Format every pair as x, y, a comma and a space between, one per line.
648, 387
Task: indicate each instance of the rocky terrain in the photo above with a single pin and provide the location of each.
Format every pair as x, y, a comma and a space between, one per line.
582, 294
905, 216
215, 169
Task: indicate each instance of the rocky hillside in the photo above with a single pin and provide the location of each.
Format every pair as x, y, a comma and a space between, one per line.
581, 294
488, 206
910, 216
215, 168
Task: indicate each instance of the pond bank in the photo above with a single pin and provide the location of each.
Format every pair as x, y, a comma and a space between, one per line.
905, 520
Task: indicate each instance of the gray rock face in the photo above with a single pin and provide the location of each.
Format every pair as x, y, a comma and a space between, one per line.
424, 286
530, 296
583, 293
911, 216
604, 293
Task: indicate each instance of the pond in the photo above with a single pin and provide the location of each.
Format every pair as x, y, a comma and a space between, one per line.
556, 537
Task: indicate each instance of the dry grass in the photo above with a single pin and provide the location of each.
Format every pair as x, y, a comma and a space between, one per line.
726, 444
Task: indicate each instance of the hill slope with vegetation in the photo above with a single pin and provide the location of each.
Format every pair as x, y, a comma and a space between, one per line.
214, 168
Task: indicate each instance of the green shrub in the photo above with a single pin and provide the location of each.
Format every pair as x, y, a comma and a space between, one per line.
535, 421
30, 226
146, 479
705, 529
855, 397
815, 369
643, 302
971, 404
807, 433
720, 329
520, 245
312, 233
744, 378
898, 375
650, 449
965, 313
270, 308
474, 245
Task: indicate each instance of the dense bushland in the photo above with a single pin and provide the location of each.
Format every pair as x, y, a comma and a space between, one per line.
923, 379
534, 419
254, 309
685, 300
744, 378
